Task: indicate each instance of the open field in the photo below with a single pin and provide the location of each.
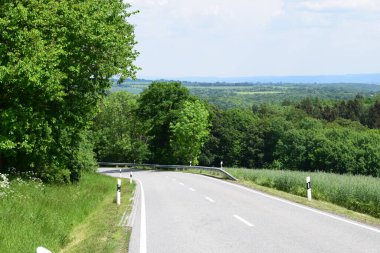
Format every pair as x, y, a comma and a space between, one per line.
54, 216
357, 193
229, 95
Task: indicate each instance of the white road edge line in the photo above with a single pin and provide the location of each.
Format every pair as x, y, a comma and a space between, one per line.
122, 218
132, 217
243, 220
210, 199
192, 189
300, 206
143, 220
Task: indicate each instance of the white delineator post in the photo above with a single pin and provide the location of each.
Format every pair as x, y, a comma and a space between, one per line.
130, 177
42, 250
308, 188
190, 163
221, 167
118, 191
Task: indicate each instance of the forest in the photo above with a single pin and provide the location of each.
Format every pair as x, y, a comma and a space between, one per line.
165, 124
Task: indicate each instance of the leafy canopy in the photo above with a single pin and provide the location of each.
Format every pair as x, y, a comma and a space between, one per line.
189, 132
56, 58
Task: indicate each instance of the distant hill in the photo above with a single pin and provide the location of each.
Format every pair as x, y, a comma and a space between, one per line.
321, 79
352, 78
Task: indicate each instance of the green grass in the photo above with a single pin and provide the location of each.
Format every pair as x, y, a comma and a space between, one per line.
100, 231
33, 214
357, 193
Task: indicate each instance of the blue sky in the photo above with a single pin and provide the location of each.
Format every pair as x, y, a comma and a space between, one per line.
225, 38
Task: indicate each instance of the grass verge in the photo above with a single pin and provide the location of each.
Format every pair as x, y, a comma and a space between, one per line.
103, 230
62, 217
338, 194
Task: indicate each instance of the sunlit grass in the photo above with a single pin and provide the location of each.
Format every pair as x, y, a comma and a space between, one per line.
33, 214
357, 193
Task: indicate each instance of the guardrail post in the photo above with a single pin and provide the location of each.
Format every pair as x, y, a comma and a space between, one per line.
130, 177
308, 188
118, 191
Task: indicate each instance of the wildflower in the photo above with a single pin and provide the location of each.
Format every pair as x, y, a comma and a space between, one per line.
4, 182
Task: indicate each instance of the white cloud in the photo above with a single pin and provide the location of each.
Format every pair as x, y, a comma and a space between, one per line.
327, 5
213, 15
256, 37
148, 3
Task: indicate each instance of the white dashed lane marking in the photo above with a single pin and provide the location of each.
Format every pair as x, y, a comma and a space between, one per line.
210, 199
243, 220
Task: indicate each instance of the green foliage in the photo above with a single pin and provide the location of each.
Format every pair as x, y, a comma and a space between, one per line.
34, 214
235, 139
163, 125
56, 58
159, 106
119, 135
189, 132
374, 115
286, 138
359, 109
357, 193
338, 150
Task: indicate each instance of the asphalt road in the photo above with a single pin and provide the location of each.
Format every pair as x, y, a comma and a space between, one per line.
179, 213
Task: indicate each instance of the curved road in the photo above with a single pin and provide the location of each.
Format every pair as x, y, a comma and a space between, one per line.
182, 213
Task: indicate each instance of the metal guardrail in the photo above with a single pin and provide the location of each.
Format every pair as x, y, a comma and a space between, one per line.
169, 167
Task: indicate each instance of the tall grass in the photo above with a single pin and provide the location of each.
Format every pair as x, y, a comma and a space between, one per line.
357, 193
33, 214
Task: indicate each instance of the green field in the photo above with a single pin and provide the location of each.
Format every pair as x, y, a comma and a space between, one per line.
357, 193
230, 95
56, 216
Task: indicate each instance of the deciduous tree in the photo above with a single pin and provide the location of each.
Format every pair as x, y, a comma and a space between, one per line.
189, 132
56, 58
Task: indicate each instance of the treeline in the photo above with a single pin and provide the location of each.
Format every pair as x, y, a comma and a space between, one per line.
227, 97
358, 109
163, 125
286, 138
166, 125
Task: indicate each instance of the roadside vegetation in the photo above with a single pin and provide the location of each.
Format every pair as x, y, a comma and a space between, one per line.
56, 61
83, 215
357, 193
